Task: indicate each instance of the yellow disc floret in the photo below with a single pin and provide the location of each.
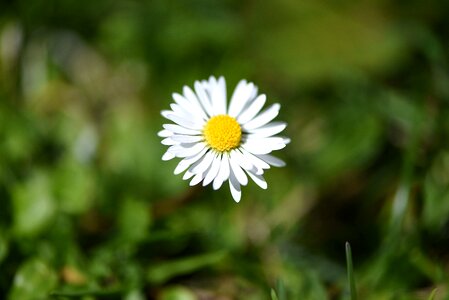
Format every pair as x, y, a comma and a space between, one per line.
223, 133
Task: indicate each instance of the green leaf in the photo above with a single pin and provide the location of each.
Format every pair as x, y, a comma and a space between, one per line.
432, 295
33, 205
177, 293
33, 280
351, 278
74, 184
4, 245
280, 288
162, 272
273, 295
134, 220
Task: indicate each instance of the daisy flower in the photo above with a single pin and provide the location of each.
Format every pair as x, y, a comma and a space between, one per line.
219, 143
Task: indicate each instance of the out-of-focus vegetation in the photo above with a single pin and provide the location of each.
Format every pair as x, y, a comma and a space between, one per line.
89, 210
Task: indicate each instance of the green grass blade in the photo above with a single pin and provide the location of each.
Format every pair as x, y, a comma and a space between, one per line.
273, 295
280, 288
432, 295
350, 272
278, 293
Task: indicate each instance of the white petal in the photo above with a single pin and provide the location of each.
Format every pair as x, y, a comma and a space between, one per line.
241, 160
213, 171
219, 97
196, 179
187, 175
204, 164
180, 130
234, 185
177, 110
165, 133
169, 142
186, 138
184, 122
262, 119
185, 115
272, 160
254, 93
167, 156
238, 172
240, 97
256, 148
263, 145
193, 107
259, 180
255, 160
183, 150
269, 129
165, 113
187, 162
253, 109
190, 95
181, 167
223, 173
204, 98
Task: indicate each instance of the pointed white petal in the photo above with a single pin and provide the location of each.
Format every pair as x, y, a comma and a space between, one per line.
165, 133
267, 130
187, 175
177, 110
203, 98
240, 97
260, 164
262, 119
180, 130
256, 148
238, 172
272, 160
219, 97
259, 180
213, 171
169, 142
186, 138
245, 163
165, 113
193, 107
190, 124
190, 95
241, 160
168, 156
188, 161
264, 145
196, 179
185, 150
254, 93
204, 164
252, 110
234, 185
223, 173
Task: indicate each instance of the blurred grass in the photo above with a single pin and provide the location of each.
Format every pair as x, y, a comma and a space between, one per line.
89, 210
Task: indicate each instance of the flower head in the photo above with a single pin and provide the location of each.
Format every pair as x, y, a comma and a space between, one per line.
219, 143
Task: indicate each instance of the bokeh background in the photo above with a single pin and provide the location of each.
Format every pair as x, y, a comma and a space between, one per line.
88, 210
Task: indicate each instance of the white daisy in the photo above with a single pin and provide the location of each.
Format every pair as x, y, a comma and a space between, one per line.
219, 143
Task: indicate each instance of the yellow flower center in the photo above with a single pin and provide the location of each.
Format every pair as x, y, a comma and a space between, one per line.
222, 133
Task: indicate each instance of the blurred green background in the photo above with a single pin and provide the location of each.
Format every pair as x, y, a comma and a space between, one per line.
88, 209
